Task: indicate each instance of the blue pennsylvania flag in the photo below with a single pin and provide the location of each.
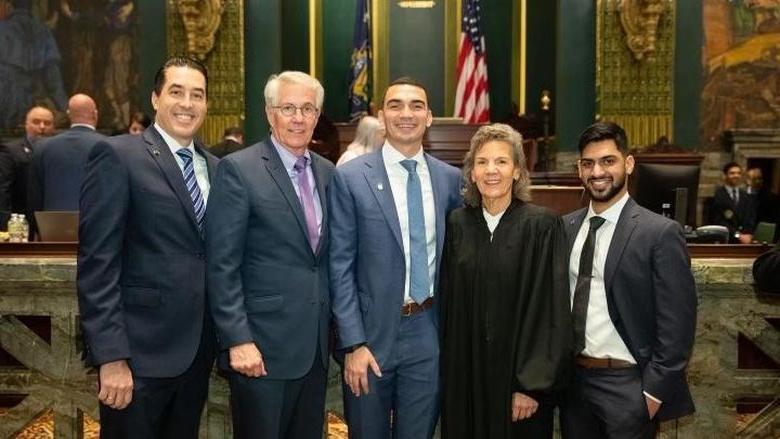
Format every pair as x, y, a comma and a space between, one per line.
360, 72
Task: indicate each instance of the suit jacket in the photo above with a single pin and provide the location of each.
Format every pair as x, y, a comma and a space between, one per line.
265, 283
141, 263
367, 263
766, 270
651, 298
20, 153
737, 217
57, 169
7, 172
226, 147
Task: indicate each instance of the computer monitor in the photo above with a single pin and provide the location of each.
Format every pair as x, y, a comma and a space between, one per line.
670, 190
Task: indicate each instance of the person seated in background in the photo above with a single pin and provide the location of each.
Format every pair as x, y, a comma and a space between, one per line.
139, 122
232, 141
15, 159
370, 135
732, 207
766, 203
766, 270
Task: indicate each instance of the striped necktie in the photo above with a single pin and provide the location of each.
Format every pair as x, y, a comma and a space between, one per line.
198, 204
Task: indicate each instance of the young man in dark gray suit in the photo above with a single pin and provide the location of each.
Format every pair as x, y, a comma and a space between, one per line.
633, 303
142, 265
267, 238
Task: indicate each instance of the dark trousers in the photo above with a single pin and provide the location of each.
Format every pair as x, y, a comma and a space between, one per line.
283, 409
606, 403
163, 407
404, 402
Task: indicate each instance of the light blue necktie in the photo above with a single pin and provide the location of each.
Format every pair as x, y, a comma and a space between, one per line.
418, 244
198, 205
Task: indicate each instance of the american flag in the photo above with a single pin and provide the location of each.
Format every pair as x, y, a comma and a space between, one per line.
471, 97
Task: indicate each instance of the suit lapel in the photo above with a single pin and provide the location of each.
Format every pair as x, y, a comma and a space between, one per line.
211, 160
623, 231
379, 184
439, 185
319, 171
280, 176
162, 155
573, 226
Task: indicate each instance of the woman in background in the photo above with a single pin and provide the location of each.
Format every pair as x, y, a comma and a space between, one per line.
138, 123
505, 301
370, 135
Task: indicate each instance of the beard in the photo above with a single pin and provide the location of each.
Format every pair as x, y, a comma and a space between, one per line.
608, 192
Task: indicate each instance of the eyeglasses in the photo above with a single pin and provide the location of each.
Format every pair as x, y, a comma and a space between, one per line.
604, 162
307, 110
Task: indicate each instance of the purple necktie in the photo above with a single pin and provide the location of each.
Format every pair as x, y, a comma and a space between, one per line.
307, 201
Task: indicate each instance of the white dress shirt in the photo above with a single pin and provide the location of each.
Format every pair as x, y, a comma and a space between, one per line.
601, 338
398, 176
198, 162
492, 221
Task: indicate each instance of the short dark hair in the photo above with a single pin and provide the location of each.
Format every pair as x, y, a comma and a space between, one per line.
178, 61
604, 131
233, 131
727, 167
141, 118
406, 80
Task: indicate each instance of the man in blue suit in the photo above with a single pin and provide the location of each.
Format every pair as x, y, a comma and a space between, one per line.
142, 265
388, 213
267, 247
57, 165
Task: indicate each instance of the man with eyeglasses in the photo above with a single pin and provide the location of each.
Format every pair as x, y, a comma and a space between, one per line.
267, 249
633, 303
388, 212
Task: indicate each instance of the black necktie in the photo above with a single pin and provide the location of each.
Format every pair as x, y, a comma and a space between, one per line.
582, 289
735, 195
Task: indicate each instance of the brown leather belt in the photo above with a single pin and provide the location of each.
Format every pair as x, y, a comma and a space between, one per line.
413, 308
602, 363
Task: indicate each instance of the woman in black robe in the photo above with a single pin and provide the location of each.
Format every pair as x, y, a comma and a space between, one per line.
505, 310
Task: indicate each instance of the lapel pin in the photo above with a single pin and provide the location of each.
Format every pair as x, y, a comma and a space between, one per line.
380, 187
156, 152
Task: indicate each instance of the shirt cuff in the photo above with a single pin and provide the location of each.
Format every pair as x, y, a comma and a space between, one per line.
653, 398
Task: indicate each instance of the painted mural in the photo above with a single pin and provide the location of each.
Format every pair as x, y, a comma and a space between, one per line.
51, 49
741, 67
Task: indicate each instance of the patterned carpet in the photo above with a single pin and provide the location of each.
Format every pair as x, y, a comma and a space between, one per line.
43, 427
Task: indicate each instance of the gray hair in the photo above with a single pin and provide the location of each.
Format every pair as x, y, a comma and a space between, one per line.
497, 132
271, 92
365, 134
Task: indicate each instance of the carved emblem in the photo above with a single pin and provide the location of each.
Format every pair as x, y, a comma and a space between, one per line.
201, 19
640, 22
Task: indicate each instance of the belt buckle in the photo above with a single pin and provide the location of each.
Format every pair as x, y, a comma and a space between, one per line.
406, 310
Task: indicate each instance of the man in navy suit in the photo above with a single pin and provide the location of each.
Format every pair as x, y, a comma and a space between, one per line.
733, 207
388, 213
142, 265
15, 162
267, 238
57, 166
633, 303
